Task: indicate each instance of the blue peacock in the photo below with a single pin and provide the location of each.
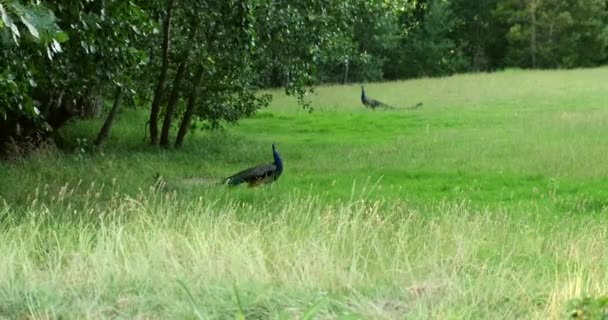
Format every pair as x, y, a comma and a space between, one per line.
261, 174
371, 102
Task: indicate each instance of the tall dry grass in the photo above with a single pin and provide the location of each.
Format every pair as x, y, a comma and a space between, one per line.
369, 260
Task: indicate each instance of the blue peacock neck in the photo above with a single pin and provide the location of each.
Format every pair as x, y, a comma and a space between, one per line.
362, 93
277, 160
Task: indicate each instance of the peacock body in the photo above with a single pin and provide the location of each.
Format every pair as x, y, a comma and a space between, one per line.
371, 102
261, 174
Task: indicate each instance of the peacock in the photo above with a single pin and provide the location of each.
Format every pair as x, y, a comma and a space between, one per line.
416, 106
370, 102
264, 173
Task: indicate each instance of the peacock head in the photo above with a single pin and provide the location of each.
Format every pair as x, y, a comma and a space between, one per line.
274, 151
277, 158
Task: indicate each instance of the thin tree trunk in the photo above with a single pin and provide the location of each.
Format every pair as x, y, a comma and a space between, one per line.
160, 87
187, 119
172, 104
533, 33
107, 125
345, 78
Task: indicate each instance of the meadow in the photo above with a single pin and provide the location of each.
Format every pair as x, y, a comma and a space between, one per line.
488, 202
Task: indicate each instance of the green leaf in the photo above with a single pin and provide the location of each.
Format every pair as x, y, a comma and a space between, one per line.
15, 31
61, 36
3, 15
30, 26
56, 46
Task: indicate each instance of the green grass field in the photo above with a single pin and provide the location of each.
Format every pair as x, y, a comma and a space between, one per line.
488, 202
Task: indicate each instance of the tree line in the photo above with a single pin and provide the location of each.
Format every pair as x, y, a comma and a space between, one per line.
189, 61
429, 38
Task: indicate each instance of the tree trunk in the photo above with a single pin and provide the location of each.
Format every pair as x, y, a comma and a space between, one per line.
345, 77
533, 7
107, 126
172, 104
160, 87
185, 124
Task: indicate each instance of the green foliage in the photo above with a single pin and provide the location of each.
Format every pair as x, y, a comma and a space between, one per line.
435, 38
107, 47
430, 47
224, 44
558, 33
240, 46
18, 74
295, 37
16, 77
39, 21
478, 33
102, 48
588, 308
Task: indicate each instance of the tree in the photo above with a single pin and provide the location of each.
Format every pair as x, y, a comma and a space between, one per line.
162, 78
478, 32
104, 51
107, 125
19, 116
556, 33
233, 43
190, 108
429, 49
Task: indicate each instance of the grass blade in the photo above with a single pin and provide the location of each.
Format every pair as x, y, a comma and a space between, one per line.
241, 313
198, 312
314, 310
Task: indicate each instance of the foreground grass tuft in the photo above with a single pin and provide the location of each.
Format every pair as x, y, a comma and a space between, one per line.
157, 257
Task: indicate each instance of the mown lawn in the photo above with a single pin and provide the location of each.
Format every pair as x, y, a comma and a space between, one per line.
487, 202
